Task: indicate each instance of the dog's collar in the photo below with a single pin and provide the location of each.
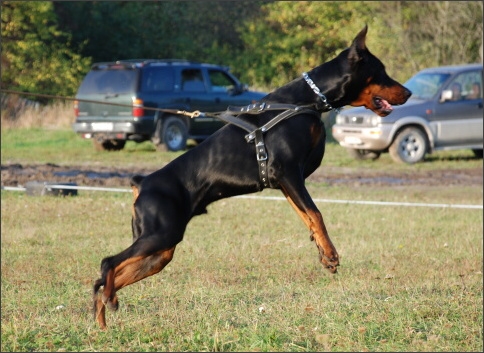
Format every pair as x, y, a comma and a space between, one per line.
326, 105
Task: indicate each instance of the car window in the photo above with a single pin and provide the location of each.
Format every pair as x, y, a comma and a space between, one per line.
466, 86
108, 82
220, 81
192, 80
157, 79
426, 85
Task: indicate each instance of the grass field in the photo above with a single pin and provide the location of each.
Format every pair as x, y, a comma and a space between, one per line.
410, 280
410, 277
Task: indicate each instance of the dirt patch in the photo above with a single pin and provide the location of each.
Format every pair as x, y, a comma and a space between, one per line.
19, 175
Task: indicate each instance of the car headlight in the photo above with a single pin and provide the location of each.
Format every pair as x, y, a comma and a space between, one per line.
340, 119
375, 120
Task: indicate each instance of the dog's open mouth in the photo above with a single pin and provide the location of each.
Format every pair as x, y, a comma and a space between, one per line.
382, 107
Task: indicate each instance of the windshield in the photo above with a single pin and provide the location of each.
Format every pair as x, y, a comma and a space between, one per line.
426, 85
109, 82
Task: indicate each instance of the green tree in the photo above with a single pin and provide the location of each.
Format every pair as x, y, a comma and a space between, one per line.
294, 36
194, 30
36, 56
444, 32
290, 37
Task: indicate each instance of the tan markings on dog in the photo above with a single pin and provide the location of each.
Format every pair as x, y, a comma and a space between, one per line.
135, 196
314, 221
101, 313
394, 95
128, 272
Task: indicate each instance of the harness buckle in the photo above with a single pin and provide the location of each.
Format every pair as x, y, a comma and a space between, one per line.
249, 137
261, 152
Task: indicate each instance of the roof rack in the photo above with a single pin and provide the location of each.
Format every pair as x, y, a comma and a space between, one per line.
132, 62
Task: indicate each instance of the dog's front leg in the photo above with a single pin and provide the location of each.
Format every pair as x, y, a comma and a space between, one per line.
309, 213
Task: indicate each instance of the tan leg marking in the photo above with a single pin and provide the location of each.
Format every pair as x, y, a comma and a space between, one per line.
128, 272
314, 221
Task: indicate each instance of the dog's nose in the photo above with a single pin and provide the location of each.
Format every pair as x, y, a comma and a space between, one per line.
407, 93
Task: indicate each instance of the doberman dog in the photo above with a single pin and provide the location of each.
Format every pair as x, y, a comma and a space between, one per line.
226, 165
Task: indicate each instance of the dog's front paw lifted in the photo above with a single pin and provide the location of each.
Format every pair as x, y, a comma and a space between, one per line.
329, 259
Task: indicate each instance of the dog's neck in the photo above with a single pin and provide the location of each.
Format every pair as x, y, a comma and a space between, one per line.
299, 92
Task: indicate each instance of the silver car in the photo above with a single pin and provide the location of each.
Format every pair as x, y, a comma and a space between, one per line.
444, 112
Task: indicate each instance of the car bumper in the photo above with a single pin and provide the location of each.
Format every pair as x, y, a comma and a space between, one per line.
365, 138
113, 127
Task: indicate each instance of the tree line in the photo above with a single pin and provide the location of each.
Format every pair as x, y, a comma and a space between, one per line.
48, 46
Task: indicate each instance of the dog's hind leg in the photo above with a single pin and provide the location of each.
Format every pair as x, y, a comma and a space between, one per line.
140, 260
301, 201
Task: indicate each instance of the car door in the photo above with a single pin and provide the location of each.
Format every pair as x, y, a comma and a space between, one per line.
222, 92
459, 119
194, 91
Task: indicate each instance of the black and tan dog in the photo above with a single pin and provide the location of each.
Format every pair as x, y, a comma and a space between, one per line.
226, 165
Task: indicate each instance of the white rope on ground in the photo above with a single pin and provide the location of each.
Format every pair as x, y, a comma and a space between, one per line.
274, 198
381, 203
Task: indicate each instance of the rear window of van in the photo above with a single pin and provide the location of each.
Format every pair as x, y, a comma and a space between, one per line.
109, 82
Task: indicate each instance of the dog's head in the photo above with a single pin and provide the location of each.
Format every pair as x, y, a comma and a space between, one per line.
378, 90
365, 81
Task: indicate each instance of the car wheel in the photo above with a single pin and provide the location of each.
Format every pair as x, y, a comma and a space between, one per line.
363, 154
174, 134
410, 146
101, 144
477, 153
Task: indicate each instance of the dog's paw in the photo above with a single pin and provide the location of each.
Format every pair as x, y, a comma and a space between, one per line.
330, 262
113, 304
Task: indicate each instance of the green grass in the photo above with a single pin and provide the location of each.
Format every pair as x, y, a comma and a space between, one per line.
410, 277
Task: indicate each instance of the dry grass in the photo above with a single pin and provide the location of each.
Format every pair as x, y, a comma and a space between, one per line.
17, 112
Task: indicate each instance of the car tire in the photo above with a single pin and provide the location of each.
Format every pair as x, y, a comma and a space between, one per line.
101, 144
174, 134
363, 154
409, 146
477, 153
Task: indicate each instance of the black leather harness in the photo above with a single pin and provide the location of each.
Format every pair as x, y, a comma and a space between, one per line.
256, 133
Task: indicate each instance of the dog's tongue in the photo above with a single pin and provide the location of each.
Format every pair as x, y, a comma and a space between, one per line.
387, 107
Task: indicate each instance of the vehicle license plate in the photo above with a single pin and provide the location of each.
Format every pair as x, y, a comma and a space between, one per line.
102, 126
352, 140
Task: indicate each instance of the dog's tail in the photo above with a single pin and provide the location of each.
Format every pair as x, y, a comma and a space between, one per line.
136, 181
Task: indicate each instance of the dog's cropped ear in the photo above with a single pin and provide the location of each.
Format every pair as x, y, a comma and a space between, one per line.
358, 46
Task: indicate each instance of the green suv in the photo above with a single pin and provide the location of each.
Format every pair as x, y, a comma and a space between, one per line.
121, 101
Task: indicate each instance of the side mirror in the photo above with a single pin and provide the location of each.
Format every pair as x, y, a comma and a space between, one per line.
446, 96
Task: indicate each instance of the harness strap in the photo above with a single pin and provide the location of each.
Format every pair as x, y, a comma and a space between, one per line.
257, 133
258, 108
282, 116
261, 153
258, 137
235, 120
